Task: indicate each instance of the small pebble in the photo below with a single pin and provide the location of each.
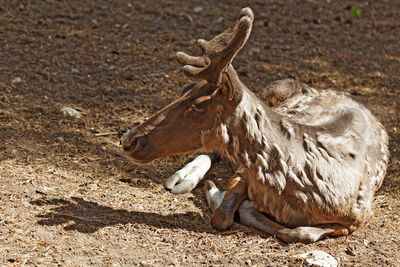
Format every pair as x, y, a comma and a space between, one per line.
198, 9
220, 19
316, 21
93, 187
16, 80
75, 70
67, 111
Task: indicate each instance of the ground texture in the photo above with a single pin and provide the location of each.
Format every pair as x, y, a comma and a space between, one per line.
67, 194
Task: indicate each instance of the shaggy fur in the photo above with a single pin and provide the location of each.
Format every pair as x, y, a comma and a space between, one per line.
309, 159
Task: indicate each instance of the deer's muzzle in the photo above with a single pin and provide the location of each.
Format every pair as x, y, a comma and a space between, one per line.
132, 142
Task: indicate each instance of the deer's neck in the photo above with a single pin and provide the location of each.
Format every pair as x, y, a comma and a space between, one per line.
251, 137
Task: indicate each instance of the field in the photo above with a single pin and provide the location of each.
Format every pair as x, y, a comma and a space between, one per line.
69, 197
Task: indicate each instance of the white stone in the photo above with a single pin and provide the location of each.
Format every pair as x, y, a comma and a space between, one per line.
318, 258
16, 80
70, 112
198, 9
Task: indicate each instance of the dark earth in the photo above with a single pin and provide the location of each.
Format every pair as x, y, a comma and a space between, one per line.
68, 196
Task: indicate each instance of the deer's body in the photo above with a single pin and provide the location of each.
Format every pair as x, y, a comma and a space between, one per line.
309, 160
312, 159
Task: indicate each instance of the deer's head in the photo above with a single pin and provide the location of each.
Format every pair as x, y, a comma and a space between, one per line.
177, 128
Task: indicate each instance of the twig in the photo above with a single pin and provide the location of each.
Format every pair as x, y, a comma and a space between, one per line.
106, 133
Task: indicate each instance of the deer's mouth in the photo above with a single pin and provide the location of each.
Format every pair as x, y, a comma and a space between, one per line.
132, 146
135, 147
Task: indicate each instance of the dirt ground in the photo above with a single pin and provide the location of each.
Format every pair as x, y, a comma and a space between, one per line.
68, 196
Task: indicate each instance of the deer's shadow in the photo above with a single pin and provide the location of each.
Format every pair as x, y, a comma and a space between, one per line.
84, 216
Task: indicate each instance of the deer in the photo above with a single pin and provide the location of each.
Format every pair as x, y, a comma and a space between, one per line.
308, 161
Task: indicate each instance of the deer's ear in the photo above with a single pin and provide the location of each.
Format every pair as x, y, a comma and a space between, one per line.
227, 87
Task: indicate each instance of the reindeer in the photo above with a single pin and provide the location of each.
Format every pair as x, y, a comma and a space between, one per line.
308, 161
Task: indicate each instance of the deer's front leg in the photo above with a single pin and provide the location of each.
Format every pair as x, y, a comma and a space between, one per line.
184, 180
236, 193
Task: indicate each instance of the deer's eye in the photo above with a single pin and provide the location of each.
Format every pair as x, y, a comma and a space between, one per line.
197, 109
194, 108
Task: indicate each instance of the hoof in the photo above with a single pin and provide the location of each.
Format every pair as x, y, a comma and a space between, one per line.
222, 219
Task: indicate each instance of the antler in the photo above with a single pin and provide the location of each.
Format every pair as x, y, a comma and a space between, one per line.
219, 52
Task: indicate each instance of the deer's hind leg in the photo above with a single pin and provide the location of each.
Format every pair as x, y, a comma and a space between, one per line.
250, 216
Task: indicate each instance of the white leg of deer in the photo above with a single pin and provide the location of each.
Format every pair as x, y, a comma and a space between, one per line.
184, 180
306, 234
214, 196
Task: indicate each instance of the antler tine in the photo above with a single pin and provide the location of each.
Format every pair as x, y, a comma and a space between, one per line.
218, 52
246, 12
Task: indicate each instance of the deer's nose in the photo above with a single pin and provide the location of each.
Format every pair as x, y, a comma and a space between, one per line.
133, 145
133, 142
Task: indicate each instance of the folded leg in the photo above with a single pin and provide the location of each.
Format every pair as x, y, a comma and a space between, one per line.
306, 234
225, 204
184, 180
